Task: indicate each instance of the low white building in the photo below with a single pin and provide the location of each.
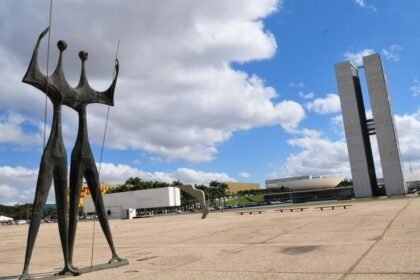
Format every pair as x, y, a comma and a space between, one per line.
412, 180
413, 177
4, 219
119, 205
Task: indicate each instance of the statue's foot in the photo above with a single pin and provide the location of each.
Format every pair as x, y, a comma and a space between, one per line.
115, 258
74, 268
25, 276
69, 270
205, 212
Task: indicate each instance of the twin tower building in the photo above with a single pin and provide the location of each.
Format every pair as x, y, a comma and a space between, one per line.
358, 128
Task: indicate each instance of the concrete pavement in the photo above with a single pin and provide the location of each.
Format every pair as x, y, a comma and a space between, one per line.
371, 240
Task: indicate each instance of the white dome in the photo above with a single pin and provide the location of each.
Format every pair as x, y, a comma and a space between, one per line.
313, 184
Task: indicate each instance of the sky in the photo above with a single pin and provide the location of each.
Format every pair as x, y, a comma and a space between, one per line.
227, 90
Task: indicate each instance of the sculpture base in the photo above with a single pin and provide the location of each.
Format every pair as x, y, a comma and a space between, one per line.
84, 270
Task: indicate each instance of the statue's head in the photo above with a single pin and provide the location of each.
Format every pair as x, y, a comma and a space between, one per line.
62, 45
83, 55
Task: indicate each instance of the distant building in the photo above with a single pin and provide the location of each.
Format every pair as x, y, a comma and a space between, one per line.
235, 187
413, 181
413, 177
358, 128
4, 219
119, 205
85, 191
301, 183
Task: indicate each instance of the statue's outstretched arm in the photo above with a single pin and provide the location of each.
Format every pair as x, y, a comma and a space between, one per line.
103, 97
33, 75
107, 97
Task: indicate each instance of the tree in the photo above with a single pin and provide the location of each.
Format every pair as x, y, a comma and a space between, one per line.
133, 181
219, 190
135, 184
177, 183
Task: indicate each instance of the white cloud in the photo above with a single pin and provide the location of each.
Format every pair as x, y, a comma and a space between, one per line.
244, 174
6, 193
337, 120
415, 89
327, 105
318, 156
311, 133
177, 96
297, 85
16, 128
408, 128
357, 57
363, 4
308, 95
18, 183
337, 125
392, 53
118, 173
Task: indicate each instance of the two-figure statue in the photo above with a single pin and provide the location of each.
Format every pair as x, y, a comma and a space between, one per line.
54, 158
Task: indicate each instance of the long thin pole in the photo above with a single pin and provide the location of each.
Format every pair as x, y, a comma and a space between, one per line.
100, 161
48, 64
107, 117
93, 242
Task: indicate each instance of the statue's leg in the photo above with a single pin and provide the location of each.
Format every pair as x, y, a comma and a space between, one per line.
61, 196
41, 194
206, 210
76, 182
92, 180
199, 195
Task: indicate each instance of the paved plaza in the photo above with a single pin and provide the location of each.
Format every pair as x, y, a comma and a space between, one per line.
371, 240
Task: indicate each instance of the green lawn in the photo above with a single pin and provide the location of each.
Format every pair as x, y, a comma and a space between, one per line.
260, 198
245, 200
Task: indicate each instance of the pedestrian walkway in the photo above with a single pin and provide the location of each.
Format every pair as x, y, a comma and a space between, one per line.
370, 240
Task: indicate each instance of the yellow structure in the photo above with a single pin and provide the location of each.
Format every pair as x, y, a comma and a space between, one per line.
85, 191
235, 187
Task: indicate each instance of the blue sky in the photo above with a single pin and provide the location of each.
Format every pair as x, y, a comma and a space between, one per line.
222, 90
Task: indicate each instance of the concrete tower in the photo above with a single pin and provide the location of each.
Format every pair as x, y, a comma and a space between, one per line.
384, 125
355, 127
358, 128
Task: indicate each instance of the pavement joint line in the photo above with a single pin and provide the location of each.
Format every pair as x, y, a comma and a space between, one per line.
250, 271
288, 272
360, 259
387, 273
314, 243
294, 272
345, 231
245, 245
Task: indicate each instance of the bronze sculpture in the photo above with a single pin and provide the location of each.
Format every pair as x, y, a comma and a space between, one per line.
54, 158
82, 160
